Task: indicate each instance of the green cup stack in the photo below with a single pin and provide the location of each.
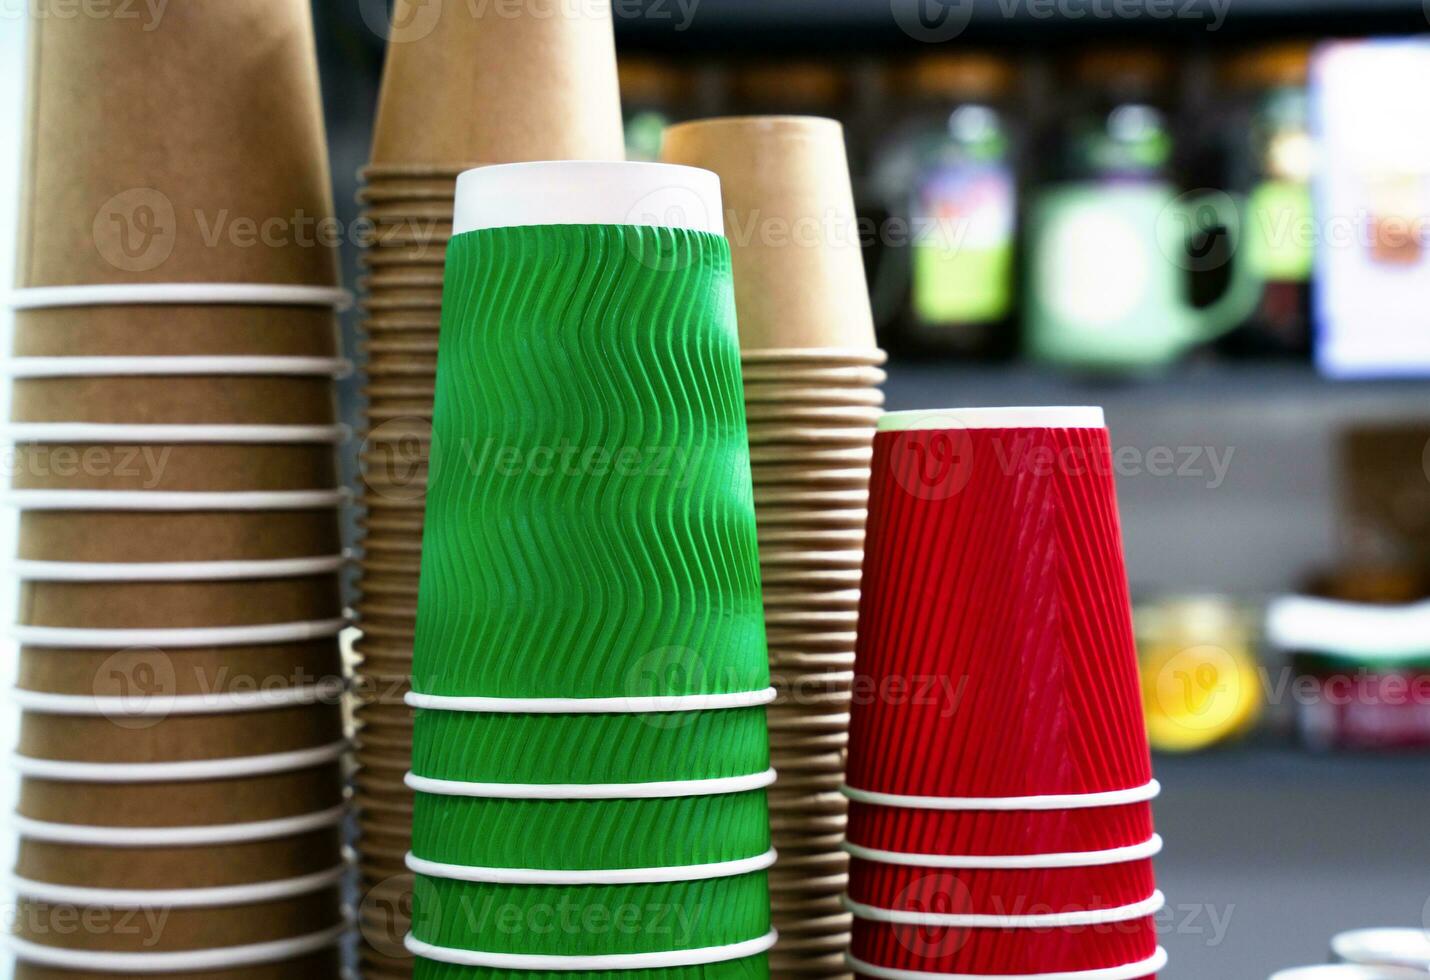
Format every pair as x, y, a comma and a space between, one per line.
590, 753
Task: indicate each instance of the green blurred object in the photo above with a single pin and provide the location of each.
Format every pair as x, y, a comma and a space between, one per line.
749, 968
1109, 277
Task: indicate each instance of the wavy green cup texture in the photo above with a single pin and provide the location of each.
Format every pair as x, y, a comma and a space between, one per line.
591, 920
749, 968
584, 835
590, 520
590, 748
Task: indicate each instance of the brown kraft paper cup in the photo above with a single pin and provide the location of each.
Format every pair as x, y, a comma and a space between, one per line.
197, 803
781, 174
325, 965
171, 605
178, 738
175, 466
176, 400
176, 331
127, 930
206, 866
159, 536
146, 671
466, 86
233, 163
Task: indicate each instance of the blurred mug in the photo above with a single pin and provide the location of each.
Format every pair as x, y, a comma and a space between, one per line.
1109, 274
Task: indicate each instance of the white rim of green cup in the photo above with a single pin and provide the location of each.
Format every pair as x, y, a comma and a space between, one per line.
1131, 971
588, 192
661, 789
613, 961
142, 837
1051, 920
592, 706
170, 293
1011, 862
1067, 801
594, 876
197, 960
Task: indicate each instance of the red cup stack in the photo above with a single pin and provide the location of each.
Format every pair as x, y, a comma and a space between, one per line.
999, 776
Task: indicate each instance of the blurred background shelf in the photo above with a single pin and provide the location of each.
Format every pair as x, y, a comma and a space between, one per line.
871, 24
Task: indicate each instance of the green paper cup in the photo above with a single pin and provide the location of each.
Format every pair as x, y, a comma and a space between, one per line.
580, 835
749, 968
590, 920
589, 748
590, 522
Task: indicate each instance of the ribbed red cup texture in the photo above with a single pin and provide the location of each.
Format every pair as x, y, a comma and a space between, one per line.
995, 952
983, 891
998, 833
995, 640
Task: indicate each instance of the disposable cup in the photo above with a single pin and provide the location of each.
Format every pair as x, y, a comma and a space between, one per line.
292, 859
176, 331
121, 536
985, 951
143, 605
590, 834
305, 966
715, 912
993, 833
745, 968
575, 748
155, 465
530, 87
175, 738
1002, 892
147, 400
126, 930
802, 371
771, 399
794, 171
968, 527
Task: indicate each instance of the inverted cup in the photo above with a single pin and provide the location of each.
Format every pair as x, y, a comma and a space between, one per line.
1004, 523
792, 172
993, 833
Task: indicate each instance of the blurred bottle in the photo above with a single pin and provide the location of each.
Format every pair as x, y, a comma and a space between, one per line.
1113, 246
653, 95
1269, 156
948, 179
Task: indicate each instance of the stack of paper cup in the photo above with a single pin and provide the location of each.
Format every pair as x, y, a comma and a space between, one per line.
179, 555
590, 754
999, 772
464, 85
811, 383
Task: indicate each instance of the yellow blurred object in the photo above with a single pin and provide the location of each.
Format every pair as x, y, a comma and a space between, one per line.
1201, 684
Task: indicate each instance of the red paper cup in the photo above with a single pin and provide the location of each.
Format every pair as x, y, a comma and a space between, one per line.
1004, 892
998, 952
995, 651
910, 830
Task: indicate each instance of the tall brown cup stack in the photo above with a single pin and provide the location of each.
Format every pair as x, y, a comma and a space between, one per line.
812, 400
174, 416
464, 85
